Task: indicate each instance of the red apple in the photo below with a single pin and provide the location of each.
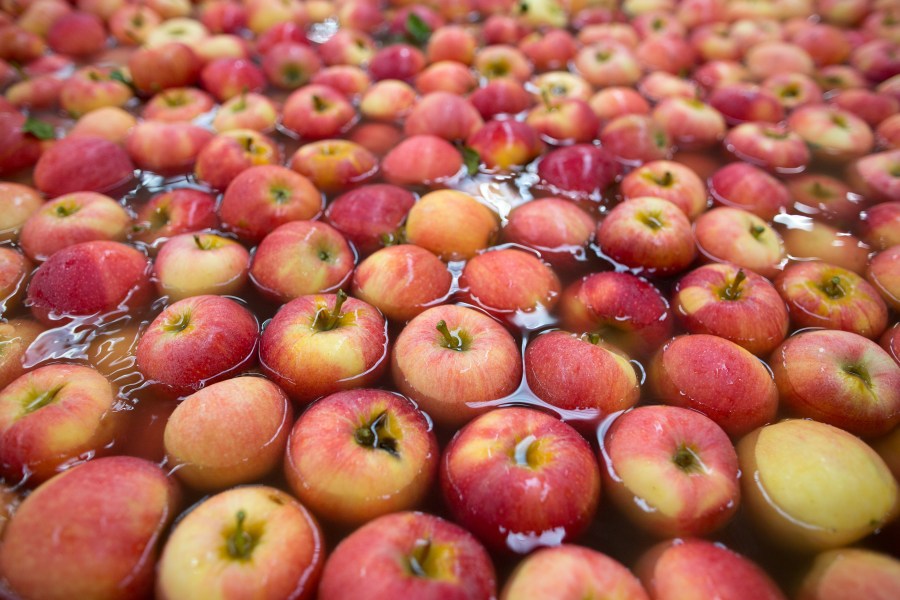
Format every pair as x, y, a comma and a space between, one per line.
17, 203
555, 227
318, 345
833, 134
769, 146
453, 361
508, 282
231, 153
82, 164
257, 416
732, 235
380, 458
317, 112
248, 540
166, 148
451, 224
741, 185
422, 160
732, 303
409, 553
16, 337
581, 172
368, 213
851, 573
91, 532
670, 181
197, 341
520, 479
335, 165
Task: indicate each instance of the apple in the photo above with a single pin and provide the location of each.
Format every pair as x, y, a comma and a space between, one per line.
197, 341
581, 377
200, 264
82, 164
607, 63
883, 273
501, 96
451, 224
231, 153
808, 239
131, 24
507, 144
52, 418
451, 42
812, 486
317, 112
173, 65
851, 573
625, 310
15, 270
16, 337
176, 104
402, 281
555, 227
387, 100
839, 378
743, 102
769, 146
636, 139
453, 361
670, 181
738, 305
693, 568
109, 122
173, 213
446, 76
228, 77
819, 294
248, 540
733, 235
90, 532
335, 165
91, 88
246, 111
321, 344
736, 391
582, 172
17, 203
290, 65
793, 90
649, 235
89, 280
875, 176
741, 185
422, 160
502, 60
301, 258
367, 214
409, 553
166, 148
359, 454
70, 219
832, 133
823, 196
570, 572
671, 471
349, 46
443, 114
878, 225
508, 282
257, 416
77, 33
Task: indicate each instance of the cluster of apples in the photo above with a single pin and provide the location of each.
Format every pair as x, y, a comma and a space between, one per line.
269, 265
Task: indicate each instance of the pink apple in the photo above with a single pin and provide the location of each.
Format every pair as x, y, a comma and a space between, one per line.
670, 181
636, 139
17, 203
200, 264
16, 336
451, 224
382, 458
851, 573
246, 111
172, 213
508, 282
807, 239
562, 245
257, 416
452, 361
509, 477
197, 341
166, 148
228, 77
732, 235
580, 172
317, 112
833, 134
335, 165
91, 88
177, 104
883, 273
671, 471
422, 160
824, 196
82, 164
318, 345
232, 152
741, 185
368, 213
771, 147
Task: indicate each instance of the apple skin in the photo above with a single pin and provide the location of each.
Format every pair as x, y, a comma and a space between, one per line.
175, 212
264, 197
581, 172
53, 417
70, 219
627, 311
285, 559
822, 295
502, 96
335, 165
448, 383
807, 239
349, 479
752, 314
257, 417
82, 164
569, 572
158, 68
883, 273
833, 134
16, 336
367, 213
17, 203
402, 281
686, 569
520, 479
741, 185
88, 280
812, 487
301, 258
575, 373
879, 226
197, 264
649, 235
670, 181
232, 152
443, 114
451, 224
379, 556
90, 532
15, 270
851, 573
317, 112
197, 341
507, 282
86, 90
555, 227
166, 148
247, 111
717, 378
736, 236
308, 362
839, 378
176, 105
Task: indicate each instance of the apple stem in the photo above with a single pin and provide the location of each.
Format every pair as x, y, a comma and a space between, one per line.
833, 288
451, 340
757, 230
240, 543
393, 238
419, 556
666, 180
200, 243
326, 320
43, 399
733, 291
687, 460
318, 104
373, 436
548, 102
594, 338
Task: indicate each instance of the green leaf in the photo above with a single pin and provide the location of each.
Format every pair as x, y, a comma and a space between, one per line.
418, 29
471, 159
39, 129
120, 77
